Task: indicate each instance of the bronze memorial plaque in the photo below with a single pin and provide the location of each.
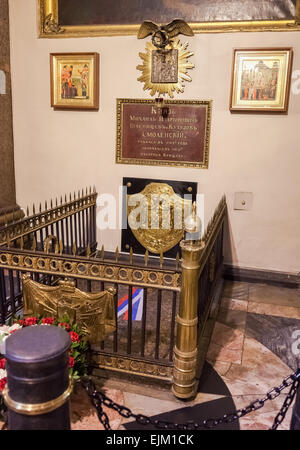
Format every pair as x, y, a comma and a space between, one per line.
180, 138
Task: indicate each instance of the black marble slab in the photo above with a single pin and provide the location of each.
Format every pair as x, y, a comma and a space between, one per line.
281, 335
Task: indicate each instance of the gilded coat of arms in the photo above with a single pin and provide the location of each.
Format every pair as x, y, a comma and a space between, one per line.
93, 312
156, 217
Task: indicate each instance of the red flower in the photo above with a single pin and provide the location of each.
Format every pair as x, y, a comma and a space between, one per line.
48, 320
20, 322
74, 336
71, 361
64, 324
30, 321
12, 331
2, 383
2, 363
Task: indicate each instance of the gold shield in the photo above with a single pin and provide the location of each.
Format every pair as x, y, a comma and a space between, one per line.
156, 217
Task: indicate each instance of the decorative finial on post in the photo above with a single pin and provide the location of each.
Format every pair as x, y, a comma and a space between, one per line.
146, 258
33, 246
161, 260
177, 260
193, 225
131, 255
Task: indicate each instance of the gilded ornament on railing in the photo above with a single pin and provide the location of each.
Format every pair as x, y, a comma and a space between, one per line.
127, 365
93, 312
92, 269
48, 241
158, 222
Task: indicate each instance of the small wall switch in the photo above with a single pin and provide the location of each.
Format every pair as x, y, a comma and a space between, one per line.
243, 200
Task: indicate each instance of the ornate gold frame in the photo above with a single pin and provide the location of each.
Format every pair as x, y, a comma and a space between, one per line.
281, 101
57, 60
153, 162
49, 27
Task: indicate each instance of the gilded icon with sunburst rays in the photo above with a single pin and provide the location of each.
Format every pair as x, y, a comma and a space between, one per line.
165, 70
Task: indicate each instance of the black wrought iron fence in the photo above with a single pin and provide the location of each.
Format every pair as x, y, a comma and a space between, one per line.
149, 290
68, 226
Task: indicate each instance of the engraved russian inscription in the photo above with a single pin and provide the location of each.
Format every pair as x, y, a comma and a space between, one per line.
147, 137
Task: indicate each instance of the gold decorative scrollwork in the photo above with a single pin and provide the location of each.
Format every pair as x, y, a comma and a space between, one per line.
133, 366
50, 26
62, 266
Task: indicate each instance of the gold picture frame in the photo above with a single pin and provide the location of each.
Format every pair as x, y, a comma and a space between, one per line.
260, 79
74, 81
50, 23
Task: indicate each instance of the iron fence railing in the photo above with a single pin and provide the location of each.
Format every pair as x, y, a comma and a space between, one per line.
69, 225
145, 336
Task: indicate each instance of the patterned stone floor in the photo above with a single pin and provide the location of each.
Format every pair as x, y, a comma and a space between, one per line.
254, 345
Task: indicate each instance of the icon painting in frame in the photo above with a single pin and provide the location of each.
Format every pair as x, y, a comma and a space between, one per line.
261, 79
74, 81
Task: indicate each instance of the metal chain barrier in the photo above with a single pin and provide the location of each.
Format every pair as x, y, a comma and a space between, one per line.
99, 400
286, 404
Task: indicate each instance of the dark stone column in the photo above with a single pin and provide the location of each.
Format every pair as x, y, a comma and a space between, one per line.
7, 173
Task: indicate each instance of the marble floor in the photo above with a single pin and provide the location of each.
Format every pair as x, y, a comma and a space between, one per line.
254, 345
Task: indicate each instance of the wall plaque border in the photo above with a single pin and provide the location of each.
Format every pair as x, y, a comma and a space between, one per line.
51, 26
127, 145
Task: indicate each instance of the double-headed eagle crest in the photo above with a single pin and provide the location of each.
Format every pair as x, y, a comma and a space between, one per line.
162, 35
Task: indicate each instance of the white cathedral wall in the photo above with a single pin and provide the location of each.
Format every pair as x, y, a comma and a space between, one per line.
58, 152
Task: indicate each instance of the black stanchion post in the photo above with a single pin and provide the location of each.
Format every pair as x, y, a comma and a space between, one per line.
38, 384
295, 421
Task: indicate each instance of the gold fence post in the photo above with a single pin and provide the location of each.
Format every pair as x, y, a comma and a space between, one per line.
185, 350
